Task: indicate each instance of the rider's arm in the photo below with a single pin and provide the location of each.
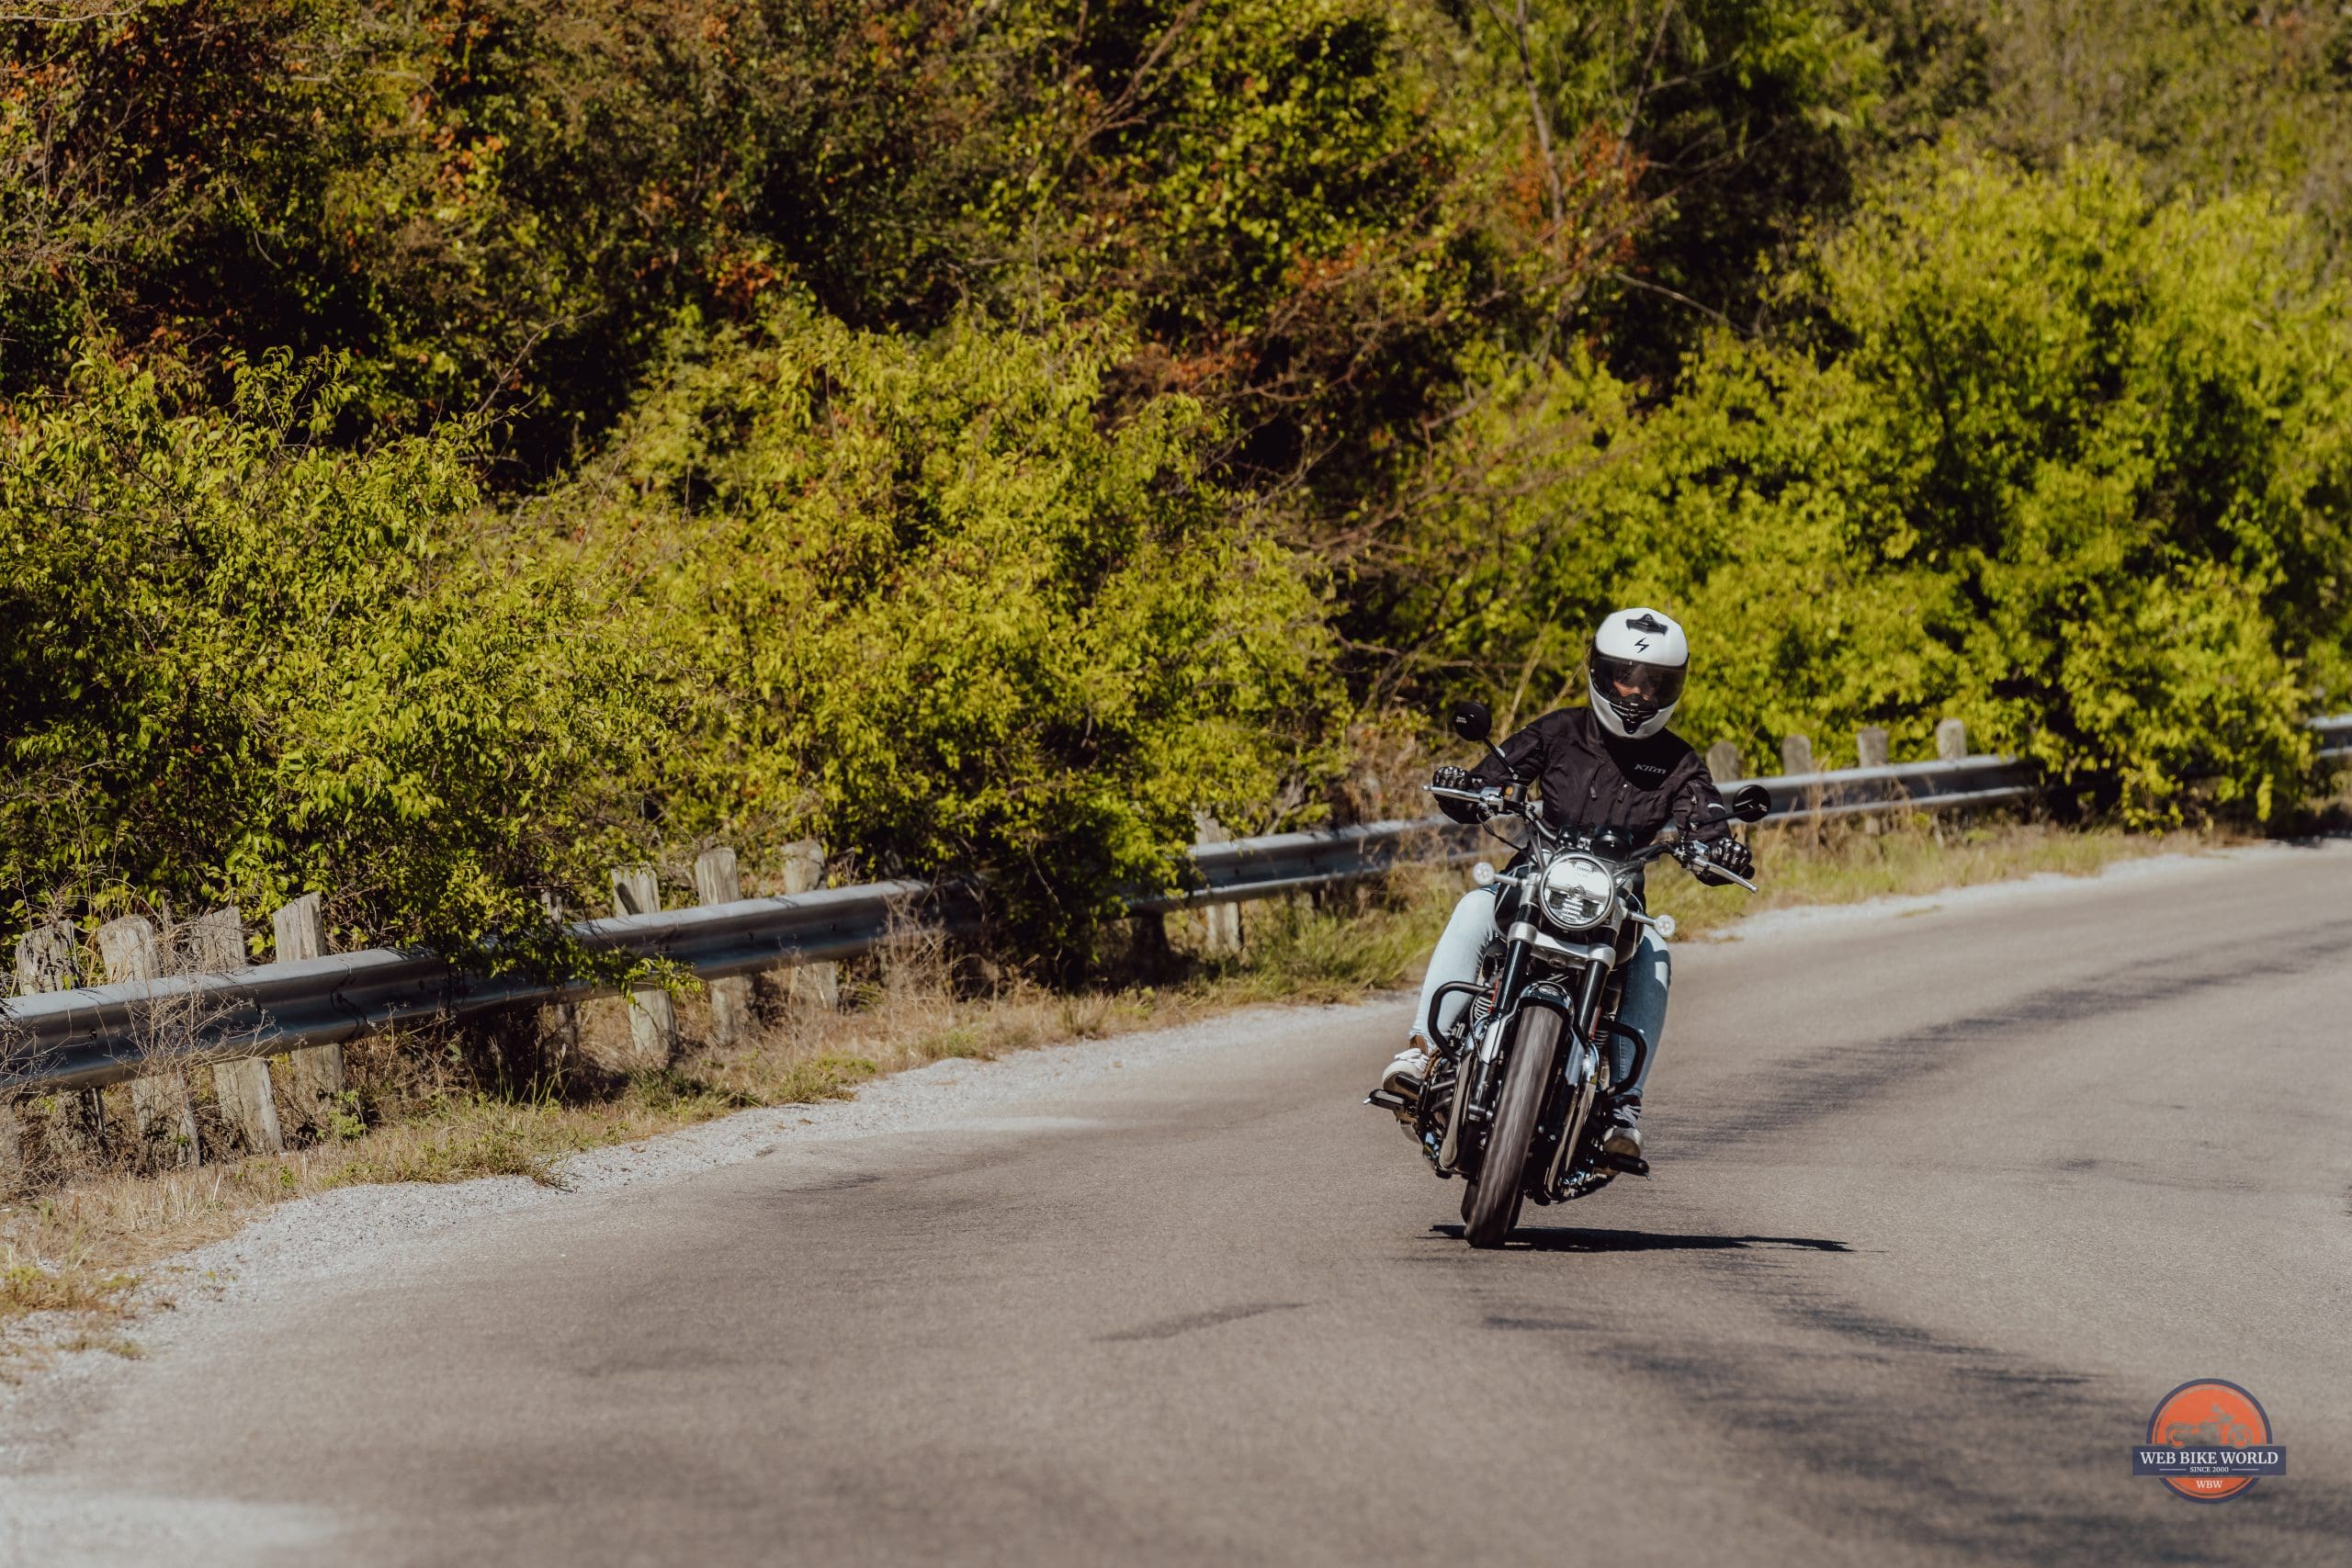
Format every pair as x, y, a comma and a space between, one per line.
1696, 804
1524, 752
1699, 811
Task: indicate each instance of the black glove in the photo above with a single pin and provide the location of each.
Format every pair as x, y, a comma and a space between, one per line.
1463, 811
1733, 856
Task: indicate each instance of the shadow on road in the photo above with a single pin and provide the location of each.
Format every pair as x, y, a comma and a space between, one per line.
1571, 1238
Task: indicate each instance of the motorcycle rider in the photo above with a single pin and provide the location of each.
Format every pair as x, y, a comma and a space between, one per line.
1609, 765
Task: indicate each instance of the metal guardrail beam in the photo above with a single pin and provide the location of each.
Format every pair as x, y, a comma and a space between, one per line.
101, 1035
2334, 735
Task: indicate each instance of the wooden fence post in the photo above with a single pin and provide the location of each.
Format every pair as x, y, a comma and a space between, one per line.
313, 1075
12, 1149
1220, 923
1870, 751
652, 1016
1723, 762
1796, 754
565, 1019
12, 1125
159, 1107
1951, 740
717, 881
804, 872
217, 943
78, 1120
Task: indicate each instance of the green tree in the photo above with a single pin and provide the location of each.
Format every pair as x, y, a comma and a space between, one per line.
2045, 452
243, 663
963, 613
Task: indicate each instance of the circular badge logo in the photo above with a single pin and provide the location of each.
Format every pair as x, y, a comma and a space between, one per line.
2210, 1441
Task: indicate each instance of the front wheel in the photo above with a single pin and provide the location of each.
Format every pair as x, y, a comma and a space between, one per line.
1490, 1207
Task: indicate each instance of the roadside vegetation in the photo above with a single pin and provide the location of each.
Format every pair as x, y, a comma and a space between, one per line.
451, 447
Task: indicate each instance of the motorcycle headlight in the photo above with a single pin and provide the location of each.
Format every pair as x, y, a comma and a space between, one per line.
1578, 891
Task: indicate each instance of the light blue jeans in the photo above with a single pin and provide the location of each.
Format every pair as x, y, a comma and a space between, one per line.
1647, 977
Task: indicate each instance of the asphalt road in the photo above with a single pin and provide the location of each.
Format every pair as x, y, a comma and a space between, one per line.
1944, 1204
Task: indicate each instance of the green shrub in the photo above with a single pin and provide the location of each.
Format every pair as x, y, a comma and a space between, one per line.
2039, 451
963, 615
243, 664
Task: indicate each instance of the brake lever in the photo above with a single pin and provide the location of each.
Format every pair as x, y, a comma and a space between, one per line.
1692, 853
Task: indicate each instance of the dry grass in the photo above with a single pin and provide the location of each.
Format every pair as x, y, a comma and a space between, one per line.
443, 1107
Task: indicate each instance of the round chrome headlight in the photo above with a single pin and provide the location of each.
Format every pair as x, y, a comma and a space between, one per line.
1578, 891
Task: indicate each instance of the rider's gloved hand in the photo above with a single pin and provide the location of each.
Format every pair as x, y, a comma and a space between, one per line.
1462, 811
1733, 856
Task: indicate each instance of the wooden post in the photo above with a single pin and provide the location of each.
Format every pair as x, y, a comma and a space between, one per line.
217, 943
717, 881
45, 959
313, 1075
77, 1121
804, 872
1870, 751
160, 1106
1723, 762
652, 1016
1796, 754
1951, 740
1220, 923
12, 1126
562, 1018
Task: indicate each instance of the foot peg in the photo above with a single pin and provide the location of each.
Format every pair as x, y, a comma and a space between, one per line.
1388, 1099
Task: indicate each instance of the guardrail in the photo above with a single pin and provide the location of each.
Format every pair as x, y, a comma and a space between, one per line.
81, 1038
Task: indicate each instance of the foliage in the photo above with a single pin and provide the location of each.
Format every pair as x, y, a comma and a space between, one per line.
1010, 428
2052, 455
245, 664
964, 618
2205, 97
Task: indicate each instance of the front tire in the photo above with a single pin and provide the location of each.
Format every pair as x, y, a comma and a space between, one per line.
1490, 1208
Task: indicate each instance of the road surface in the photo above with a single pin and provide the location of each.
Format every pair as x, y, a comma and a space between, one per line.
1945, 1202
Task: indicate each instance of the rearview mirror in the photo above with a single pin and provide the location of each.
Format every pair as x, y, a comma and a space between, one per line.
1751, 803
1473, 722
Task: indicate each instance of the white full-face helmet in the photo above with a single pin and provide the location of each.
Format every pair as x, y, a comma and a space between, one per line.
1639, 659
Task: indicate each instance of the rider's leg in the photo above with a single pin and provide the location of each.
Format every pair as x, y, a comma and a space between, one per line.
1456, 959
1641, 1008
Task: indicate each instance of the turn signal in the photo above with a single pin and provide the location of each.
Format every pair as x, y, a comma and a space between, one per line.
1483, 875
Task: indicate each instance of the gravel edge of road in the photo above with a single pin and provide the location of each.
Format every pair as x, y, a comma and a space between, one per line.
359, 1229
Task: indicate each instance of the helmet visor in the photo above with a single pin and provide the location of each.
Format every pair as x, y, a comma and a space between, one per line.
1629, 681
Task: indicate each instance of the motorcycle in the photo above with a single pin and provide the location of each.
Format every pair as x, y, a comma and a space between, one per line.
1508, 1103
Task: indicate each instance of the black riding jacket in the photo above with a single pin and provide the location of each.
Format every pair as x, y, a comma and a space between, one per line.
1591, 780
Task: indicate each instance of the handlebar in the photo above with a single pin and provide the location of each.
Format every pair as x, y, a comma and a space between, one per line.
1669, 841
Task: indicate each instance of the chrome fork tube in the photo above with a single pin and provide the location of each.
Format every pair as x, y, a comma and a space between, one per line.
1591, 990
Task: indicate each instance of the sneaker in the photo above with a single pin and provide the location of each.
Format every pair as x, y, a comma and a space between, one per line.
1620, 1130
1400, 1086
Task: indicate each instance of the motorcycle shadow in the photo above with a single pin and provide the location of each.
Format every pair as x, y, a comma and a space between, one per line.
1578, 1239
